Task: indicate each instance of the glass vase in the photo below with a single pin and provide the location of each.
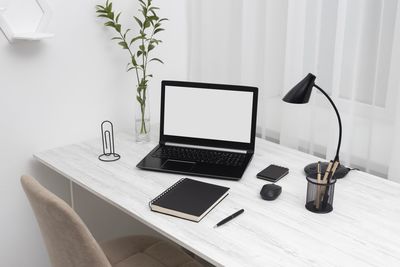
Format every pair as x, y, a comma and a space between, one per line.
142, 117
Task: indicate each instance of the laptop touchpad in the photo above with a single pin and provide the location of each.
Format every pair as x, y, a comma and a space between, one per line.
175, 165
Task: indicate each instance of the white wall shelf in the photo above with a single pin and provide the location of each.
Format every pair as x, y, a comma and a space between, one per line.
36, 35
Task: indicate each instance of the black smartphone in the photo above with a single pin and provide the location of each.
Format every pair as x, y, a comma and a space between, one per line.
273, 173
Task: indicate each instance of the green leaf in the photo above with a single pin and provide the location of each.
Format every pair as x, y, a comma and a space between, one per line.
163, 19
139, 22
124, 45
116, 38
102, 16
139, 99
153, 41
126, 32
154, 14
146, 23
159, 30
156, 59
101, 11
109, 24
134, 63
117, 18
144, 11
131, 68
151, 47
142, 48
153, 18
142, 2
142, 85
135, 39
109, 7
139, 53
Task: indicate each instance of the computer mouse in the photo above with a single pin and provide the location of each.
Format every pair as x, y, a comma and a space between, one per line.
270, 191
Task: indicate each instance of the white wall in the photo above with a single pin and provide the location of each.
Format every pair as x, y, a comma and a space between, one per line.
57, 92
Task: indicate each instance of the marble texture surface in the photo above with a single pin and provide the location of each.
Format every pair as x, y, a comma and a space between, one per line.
362, 230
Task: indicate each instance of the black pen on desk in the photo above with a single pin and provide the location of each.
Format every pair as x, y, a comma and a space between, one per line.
227, 219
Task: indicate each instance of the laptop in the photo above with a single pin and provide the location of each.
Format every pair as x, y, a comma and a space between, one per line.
205, 130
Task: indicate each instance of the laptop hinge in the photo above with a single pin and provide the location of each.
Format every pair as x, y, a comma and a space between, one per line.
208, 147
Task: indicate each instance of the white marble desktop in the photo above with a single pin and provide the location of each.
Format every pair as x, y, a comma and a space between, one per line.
362, 230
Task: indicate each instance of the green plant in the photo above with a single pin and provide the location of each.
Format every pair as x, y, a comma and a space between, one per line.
138, 46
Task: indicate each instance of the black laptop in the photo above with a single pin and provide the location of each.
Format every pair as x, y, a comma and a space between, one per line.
205, 130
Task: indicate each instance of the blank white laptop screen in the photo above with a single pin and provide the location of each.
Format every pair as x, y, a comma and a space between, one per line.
208, 113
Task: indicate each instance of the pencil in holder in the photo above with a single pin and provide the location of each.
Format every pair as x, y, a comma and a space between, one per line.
320, 195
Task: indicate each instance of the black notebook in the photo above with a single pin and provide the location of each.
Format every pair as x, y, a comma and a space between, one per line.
189, 199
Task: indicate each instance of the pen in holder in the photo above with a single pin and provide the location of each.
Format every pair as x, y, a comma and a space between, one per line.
320, 195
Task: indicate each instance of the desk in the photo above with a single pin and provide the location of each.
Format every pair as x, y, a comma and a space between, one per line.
362, 230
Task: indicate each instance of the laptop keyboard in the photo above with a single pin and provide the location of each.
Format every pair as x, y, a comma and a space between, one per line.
200, 155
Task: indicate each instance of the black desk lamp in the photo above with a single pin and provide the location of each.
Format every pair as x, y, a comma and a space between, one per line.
300, 94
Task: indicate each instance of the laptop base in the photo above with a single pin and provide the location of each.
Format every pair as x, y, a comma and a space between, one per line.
152, 163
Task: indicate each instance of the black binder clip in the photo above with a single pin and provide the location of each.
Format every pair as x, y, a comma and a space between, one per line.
107, 137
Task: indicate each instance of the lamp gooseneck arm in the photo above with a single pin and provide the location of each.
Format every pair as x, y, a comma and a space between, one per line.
339, 120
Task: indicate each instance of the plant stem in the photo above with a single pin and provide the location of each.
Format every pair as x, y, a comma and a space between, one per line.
143, 56
143, 129
147, 56
131, 54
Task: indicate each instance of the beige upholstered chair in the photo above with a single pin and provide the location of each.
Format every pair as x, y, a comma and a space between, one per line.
70, 244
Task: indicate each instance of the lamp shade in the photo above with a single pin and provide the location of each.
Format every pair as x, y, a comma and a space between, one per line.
301, 92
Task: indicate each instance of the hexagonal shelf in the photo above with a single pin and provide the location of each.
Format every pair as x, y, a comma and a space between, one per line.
38, 34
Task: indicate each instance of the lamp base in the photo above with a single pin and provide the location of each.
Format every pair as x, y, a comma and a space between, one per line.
311, 170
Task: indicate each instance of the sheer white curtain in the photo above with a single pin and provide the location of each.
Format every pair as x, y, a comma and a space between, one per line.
352, 46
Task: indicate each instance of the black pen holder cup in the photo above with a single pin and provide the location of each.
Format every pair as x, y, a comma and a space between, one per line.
320, 195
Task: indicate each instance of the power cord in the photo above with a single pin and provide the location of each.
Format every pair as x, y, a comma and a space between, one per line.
352, 169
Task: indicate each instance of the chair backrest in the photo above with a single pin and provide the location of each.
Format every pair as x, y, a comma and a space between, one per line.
69, 242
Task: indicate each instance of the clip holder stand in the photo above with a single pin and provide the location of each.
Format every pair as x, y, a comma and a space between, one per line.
107, 137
